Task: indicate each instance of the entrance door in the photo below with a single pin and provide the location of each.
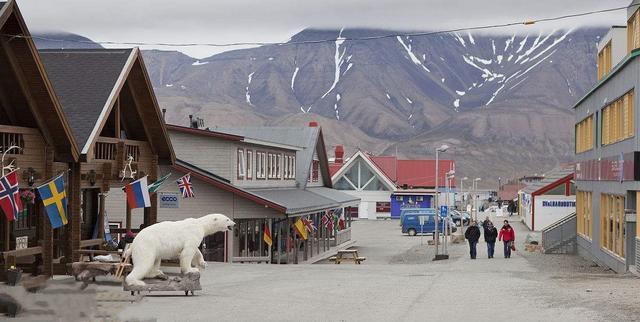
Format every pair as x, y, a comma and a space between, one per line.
89, 208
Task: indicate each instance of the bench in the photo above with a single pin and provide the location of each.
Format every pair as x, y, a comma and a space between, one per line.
354, 256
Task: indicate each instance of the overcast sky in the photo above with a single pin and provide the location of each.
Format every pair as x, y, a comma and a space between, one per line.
225, 21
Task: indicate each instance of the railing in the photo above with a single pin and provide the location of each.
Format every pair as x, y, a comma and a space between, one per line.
107, 148
8, 139
343, 236
105, 151
560, 237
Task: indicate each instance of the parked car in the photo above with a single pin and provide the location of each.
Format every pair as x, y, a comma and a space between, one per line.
411, 221
456, 216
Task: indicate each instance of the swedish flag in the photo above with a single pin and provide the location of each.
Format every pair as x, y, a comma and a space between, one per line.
54, 199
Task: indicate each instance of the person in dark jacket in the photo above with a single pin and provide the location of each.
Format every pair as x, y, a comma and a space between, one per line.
490, 235
472, 234
508, 236
511, 207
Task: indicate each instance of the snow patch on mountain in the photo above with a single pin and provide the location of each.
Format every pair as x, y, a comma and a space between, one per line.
293, 77
199, 63
413, 57
338, 60
247, 94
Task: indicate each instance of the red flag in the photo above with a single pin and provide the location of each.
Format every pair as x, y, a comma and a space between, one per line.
10, 196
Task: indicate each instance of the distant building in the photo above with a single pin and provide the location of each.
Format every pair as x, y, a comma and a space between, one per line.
607, 155
386, 184
544, 202
509, 190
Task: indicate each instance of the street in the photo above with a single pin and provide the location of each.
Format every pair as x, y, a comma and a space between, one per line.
397, 282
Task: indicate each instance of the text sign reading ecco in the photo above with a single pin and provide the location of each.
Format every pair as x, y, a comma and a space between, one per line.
169, 199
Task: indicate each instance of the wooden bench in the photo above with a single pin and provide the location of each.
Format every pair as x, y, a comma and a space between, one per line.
354, 256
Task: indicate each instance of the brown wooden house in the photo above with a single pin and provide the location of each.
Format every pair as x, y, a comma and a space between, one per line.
31, 118
110, 105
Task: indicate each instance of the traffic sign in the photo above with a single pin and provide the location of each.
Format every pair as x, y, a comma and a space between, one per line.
443, 211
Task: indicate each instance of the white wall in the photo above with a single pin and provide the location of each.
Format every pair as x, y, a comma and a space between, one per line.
368, 199
549, 209
525, 209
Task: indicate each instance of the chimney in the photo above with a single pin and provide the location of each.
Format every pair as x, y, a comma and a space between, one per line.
313, 124
164, 115
190, 120
339, 154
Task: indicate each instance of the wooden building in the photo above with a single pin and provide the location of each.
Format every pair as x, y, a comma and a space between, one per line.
110, 105
258, 177
32, 119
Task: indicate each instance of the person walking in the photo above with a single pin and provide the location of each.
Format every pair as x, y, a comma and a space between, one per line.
472, 234
511, 207
485, 222
490, 235
507, 236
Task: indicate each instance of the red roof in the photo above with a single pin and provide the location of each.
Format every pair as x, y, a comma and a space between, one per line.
413, 173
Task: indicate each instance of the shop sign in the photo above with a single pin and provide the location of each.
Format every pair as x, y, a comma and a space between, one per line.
169, 199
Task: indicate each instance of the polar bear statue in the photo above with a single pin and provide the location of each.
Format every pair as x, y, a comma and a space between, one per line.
170, 240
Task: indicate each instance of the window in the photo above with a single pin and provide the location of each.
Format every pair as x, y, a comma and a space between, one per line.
618, 120
278, 166
584, 212
584, 135
249, 164
604, 61
261, 167
383, 207
612, 222
633, 32
241, 164
419, 198
399, 198
315, 171
289, 167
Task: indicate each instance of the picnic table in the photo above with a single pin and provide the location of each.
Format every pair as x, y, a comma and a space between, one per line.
352, 254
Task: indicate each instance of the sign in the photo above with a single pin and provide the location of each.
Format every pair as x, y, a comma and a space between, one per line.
169, 199
559, 203
443, 211
22, 242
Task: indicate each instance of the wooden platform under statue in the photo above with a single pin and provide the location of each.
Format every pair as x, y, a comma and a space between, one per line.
187, 283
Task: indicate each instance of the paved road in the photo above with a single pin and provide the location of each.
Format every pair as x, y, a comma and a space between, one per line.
399, 283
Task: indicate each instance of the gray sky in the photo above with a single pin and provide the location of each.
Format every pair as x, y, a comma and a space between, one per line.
224, 21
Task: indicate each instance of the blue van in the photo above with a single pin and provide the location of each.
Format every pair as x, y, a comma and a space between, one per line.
410, 221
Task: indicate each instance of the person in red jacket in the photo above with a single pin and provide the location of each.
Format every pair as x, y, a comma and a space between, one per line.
508, 236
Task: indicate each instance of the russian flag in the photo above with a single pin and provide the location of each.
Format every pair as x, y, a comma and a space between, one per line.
138, 194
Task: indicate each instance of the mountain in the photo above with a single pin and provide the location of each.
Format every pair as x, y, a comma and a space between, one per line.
61, 39
503, 102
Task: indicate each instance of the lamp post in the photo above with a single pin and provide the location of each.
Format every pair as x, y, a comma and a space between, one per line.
463, 200
449, 176
475, 197
442, 148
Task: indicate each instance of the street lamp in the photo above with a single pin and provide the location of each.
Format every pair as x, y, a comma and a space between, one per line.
450, 175
462, 192
475, 197
442, 148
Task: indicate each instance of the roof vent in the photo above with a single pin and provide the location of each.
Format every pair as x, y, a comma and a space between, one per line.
313, 124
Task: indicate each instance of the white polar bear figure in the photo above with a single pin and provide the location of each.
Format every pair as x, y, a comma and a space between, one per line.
170, 240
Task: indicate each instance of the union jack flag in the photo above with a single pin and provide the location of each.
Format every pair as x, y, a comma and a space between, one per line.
10, 196
308, 224
185, 186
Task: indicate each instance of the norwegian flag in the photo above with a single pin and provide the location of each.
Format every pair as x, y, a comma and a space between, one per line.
185, 186
10, 196
325, 219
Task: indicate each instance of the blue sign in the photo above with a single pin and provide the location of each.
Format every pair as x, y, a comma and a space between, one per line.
169, 200
443, 211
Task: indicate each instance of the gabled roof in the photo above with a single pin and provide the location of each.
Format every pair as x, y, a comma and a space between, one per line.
377, 170
309, 139
413, 173
551, 180
44, 105
88, 83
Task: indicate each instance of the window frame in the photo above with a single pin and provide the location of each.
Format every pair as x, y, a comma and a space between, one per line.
249, 166
241, 162
261, 165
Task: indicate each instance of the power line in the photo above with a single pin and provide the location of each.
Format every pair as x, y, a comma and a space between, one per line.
305, 42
